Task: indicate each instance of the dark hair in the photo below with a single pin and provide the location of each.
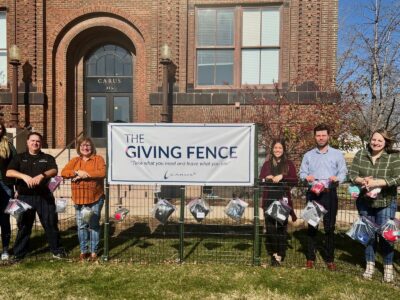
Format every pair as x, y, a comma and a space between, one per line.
80, 142
3, 130
283, 164
322, 127
389, 140
35, 133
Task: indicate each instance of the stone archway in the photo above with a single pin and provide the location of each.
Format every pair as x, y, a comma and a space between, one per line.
66, 93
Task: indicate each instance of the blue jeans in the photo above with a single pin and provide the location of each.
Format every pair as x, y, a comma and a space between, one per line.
379, 216
89, 233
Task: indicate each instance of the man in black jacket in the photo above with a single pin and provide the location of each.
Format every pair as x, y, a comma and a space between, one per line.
33, 170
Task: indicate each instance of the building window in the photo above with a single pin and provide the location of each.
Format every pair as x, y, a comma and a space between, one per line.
247, 57
3, 48
215, 46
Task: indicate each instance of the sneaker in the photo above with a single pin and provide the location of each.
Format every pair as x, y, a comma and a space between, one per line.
331, 266
5, 256
310, 264
60, 255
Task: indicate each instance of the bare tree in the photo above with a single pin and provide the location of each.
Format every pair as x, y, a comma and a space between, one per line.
369, 68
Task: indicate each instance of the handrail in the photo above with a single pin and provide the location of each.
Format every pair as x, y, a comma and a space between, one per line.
27, 128
68, 145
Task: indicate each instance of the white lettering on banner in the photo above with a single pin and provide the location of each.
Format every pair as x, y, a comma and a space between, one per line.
179, 154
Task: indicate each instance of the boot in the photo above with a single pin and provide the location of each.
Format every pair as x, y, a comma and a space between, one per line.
369, 270
388, 275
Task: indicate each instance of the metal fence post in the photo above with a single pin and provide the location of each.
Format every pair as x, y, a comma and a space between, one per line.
181, 225
256, 190
107, 214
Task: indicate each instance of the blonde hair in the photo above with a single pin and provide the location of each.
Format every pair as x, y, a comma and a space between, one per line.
5, 150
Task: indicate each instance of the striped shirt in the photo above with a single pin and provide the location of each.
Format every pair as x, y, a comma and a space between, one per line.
88, 190
386, 167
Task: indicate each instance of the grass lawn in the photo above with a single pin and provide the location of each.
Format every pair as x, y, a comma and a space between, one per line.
34, 279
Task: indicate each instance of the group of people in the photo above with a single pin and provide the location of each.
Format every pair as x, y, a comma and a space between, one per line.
26, 176
378, 166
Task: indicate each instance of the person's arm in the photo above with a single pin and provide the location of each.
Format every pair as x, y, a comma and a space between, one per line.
342, 169
354, 170
265, 170
68, 171
393, 178
304, 172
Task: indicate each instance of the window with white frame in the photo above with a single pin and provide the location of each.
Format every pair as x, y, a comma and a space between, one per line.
3, 48
247, 57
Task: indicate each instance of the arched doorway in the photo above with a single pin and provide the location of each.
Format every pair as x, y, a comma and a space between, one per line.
108, 89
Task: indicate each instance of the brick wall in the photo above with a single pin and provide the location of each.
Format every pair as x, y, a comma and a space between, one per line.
56, 35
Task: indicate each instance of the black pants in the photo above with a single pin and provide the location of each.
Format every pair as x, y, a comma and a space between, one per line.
329, 200
276, 235
46, 210
6, 192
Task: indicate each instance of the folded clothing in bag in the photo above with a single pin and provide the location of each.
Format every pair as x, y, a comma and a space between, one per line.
319, 186
313, 212
163, 210
120, 214
279, 211
16, 207
354, 191
61, 205
390, 230
199, 209
236, 208
363, 230
54, 183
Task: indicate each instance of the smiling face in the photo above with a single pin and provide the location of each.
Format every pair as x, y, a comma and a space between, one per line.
85, 148
277, 150
321, 138
377, 143
34, 144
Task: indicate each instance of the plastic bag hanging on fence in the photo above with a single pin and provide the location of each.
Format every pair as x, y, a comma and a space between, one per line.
319, 186
87, 214
120, 214
163, 210
363, 230
236, 208
354, 191
279, 211
199, 209
390, 230
16, 208
54, 183
313, 212
61, 205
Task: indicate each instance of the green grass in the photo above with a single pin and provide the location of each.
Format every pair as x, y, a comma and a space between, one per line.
112, 280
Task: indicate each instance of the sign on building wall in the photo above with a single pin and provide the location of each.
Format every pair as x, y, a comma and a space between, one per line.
181, 154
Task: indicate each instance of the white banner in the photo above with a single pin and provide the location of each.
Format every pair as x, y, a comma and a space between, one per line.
181, 154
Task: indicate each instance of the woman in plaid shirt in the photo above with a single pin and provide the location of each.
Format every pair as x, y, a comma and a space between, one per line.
376, 170
87, 172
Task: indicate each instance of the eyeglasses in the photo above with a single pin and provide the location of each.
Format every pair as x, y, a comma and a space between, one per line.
85, 145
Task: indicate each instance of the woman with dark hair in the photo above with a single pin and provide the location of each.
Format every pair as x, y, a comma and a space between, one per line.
87, 172
278, 173
7, 152
376, 170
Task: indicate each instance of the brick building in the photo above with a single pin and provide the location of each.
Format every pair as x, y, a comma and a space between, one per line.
84, 63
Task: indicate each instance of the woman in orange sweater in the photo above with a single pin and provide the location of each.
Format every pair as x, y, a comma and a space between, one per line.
87, 173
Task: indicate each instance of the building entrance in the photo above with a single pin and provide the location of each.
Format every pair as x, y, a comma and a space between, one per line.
108, 88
